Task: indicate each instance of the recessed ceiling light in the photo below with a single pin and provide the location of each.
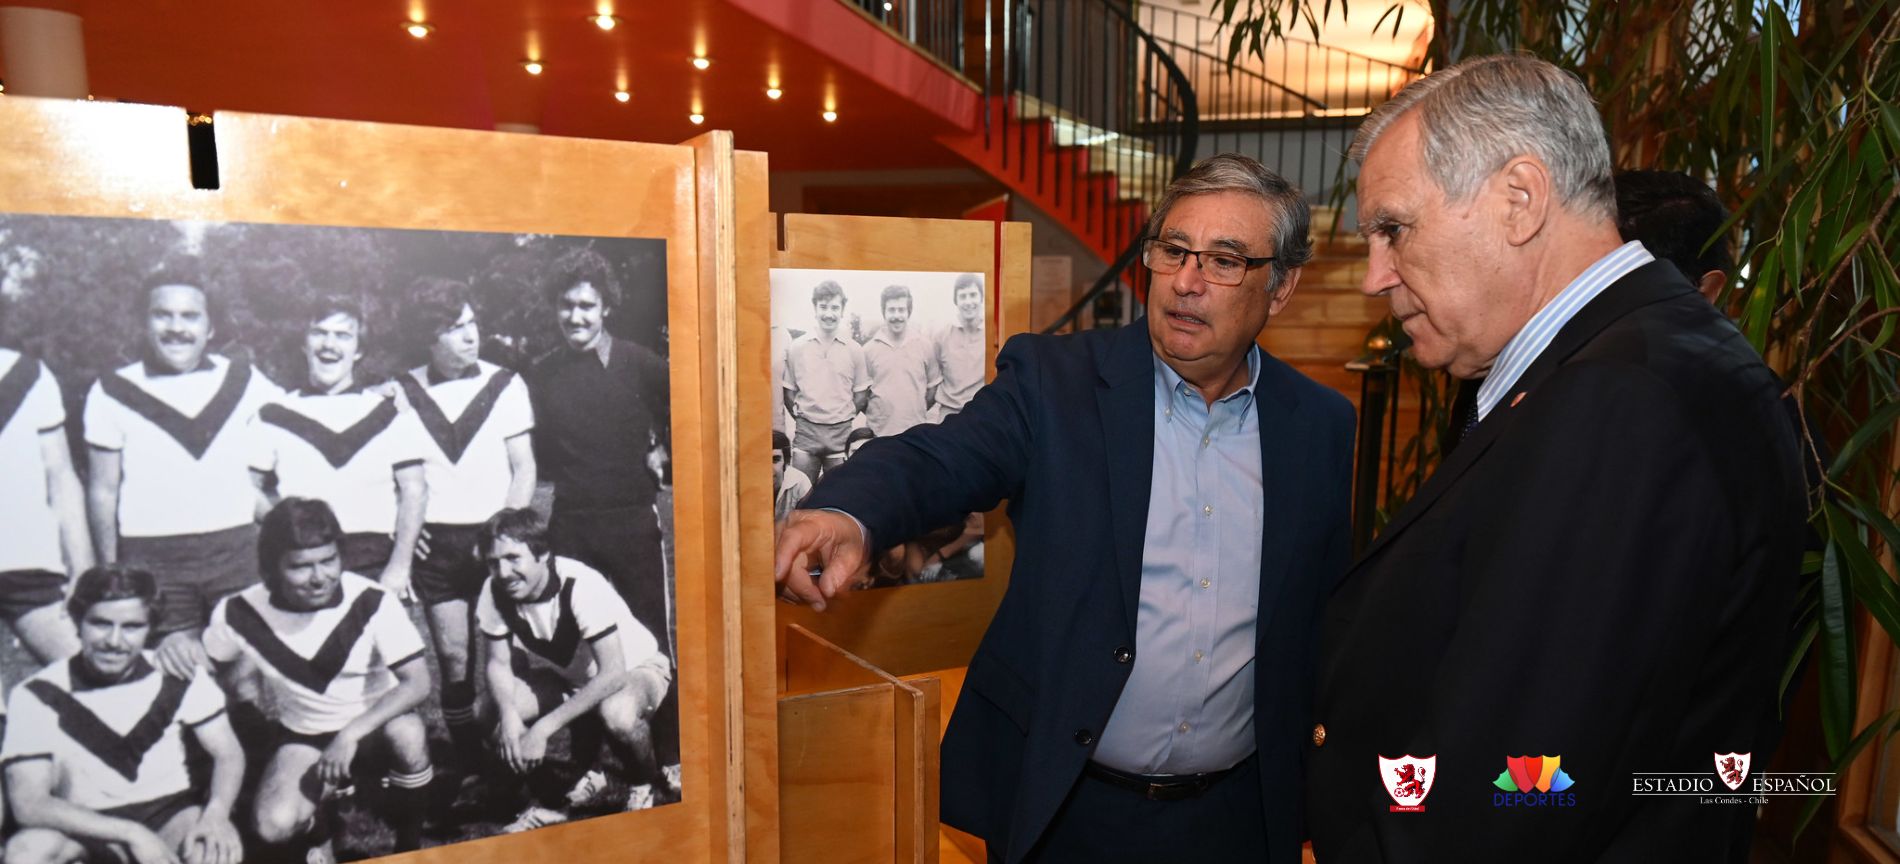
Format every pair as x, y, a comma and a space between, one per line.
533, 67
831, 116
701, 63
696, 118
773, 92
887, 7
418, 29
604, 21
622, 96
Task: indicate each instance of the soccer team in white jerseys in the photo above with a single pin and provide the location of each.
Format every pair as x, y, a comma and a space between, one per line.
232, 574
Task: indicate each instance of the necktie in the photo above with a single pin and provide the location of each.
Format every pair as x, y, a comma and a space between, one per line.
1471, 420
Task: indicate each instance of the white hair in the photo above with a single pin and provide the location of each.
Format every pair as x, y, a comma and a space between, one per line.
1478, 115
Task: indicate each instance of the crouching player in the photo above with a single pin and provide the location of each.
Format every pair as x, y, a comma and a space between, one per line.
564, 652
340, 662
95, 753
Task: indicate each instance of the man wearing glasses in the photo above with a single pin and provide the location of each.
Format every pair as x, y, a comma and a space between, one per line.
1173, 488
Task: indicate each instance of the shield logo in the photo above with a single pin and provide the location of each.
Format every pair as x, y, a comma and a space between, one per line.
1408, 779
1732, 768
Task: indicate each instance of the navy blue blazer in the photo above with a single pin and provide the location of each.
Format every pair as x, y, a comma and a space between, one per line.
1065, 433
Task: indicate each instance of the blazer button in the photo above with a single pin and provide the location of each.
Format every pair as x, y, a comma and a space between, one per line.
1123, 655
1084, 737
1319, 734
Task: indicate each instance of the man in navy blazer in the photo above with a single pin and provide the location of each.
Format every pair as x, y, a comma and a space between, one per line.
1181, 507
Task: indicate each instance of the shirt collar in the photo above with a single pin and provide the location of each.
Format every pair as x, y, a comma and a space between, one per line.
1524, 348
474, 369
553, 586
357, 385
1168, 382
83, 677
154, 369
605, 348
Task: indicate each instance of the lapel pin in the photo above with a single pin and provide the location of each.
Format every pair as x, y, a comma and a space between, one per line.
1517, 399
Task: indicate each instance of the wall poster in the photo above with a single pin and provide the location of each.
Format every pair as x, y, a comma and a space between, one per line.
863, 354
390, 523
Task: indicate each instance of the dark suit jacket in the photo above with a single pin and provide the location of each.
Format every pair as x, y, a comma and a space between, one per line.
1066, 433
1604, 572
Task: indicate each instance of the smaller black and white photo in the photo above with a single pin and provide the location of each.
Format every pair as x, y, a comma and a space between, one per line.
322, 543
865, 354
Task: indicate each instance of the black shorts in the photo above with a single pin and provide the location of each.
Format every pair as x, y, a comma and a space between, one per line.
22, 591
365, 553
153, 814
194, 572
453, 570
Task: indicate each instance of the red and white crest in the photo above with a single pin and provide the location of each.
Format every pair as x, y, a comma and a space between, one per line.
1732, 769
1408, 779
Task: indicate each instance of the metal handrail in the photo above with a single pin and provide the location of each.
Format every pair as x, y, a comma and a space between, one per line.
1187, 140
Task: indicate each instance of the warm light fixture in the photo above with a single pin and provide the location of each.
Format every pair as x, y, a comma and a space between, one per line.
831, 116
622, 96
887, 7
418, 29
773, 92
701, 63
604, 21
533, 67
696, 118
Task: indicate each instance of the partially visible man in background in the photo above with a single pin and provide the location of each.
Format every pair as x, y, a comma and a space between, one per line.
44, 540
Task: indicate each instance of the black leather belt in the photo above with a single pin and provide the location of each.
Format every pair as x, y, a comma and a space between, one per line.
1158, 787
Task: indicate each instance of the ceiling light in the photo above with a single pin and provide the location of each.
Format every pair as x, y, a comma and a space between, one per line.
534, 67
696, 118
418, 29
887, 7
622, 96
604, 21
831, 116
701, 63
773, 92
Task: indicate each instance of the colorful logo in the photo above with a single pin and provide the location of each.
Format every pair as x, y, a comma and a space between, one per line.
1533, 781
1408, 779
1732, 768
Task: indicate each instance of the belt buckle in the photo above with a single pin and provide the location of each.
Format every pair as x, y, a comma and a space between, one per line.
1179, 791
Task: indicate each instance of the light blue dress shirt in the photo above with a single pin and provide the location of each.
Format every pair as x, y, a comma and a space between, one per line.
1188, 705
1524, 348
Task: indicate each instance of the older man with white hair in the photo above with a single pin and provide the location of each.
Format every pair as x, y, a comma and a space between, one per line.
1595, 583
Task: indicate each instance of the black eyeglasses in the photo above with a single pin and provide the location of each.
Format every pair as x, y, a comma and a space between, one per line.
1219, 268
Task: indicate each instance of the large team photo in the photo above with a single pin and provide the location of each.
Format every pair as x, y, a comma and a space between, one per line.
321, 543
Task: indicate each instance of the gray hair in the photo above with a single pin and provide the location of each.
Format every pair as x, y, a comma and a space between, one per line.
1476, 116
1232, 172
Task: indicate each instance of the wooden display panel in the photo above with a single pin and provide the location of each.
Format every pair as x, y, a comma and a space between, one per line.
860, 770
913, 628
108, 160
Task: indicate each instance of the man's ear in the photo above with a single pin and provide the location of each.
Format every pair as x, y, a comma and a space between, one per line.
1279, 299
1525, 184
1711, 284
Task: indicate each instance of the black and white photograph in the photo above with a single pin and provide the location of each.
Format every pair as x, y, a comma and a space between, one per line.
325, 543
859, 355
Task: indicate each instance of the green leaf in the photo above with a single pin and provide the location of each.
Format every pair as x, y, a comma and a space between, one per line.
1770, 47
1836, 657
1800, 654
1872, 587
1881, 423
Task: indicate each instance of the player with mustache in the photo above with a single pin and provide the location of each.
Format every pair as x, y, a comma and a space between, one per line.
174, 424
89, 774
826, 385
960, 348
